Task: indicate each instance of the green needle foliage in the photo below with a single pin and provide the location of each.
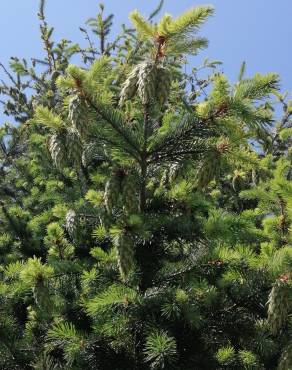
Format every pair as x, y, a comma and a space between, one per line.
145, 211
160, 350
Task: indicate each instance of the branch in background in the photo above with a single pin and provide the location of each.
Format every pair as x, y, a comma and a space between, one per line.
156, 11
46, 33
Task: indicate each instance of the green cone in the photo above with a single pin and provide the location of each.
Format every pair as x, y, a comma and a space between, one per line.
129, 194
57, 150
74, 147
125, 254
279, 305
112, 193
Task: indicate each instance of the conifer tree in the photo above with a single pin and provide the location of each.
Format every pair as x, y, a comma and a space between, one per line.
145, 211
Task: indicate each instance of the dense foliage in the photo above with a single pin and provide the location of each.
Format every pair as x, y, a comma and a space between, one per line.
145, 210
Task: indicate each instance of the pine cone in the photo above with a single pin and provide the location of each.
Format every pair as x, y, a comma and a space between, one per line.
129, 194
71, 223
42, 298
74, 147
92, 154
279, 305
209, 169
87, 155
173, 171
152, 83
53, 79
286, 359
163, 85
130, 85
147, 82
254, 177
112, 192
78, 115
165, 177
125, 254
57, 149
170, 174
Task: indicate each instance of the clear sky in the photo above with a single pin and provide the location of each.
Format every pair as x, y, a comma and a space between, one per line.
257, 31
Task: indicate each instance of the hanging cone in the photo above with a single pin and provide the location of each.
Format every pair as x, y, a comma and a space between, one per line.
147, 82
71, 223
163, 85
286, 359
280, 302
57, 150
112, 193
78, 115
129, 194
130, 85
74, 147
125, 254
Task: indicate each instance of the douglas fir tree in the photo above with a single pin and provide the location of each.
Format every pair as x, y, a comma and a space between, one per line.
145, 211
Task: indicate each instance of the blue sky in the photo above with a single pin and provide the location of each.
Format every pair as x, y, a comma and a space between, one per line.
257, 31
